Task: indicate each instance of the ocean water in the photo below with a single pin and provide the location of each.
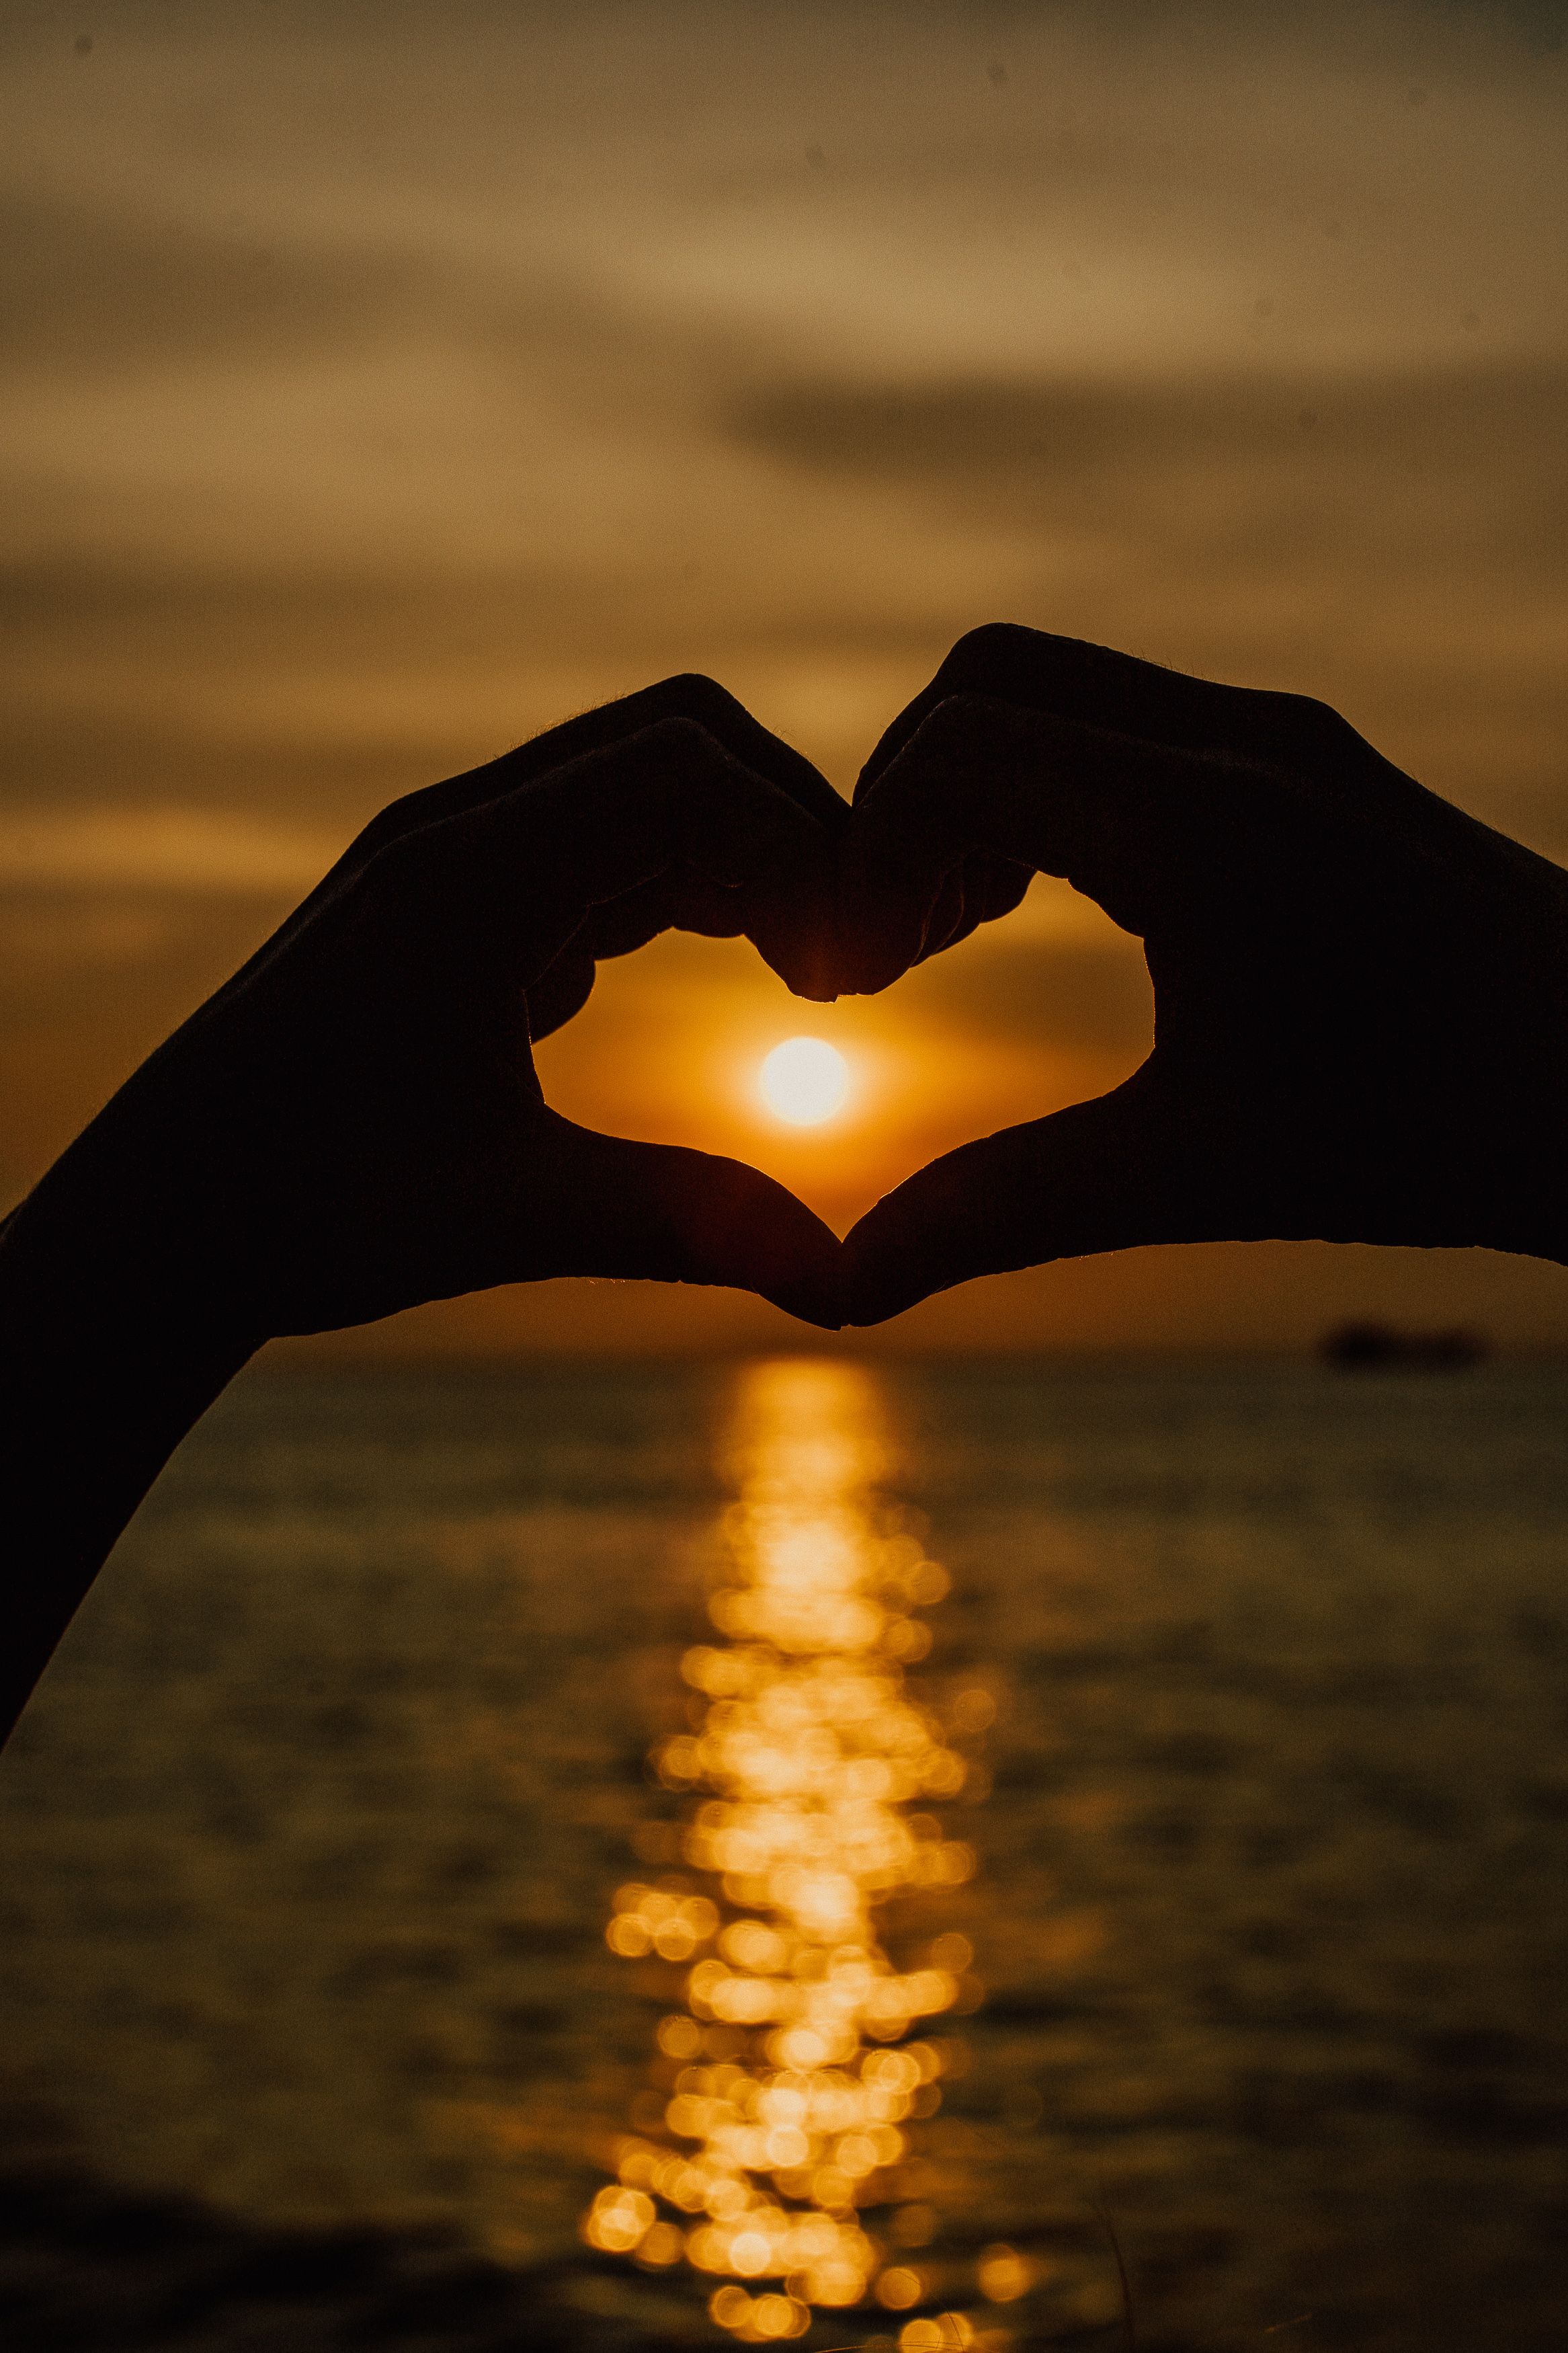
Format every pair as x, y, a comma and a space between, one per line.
1242, 1943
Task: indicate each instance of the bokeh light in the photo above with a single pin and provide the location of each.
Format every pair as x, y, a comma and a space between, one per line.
1005, 2275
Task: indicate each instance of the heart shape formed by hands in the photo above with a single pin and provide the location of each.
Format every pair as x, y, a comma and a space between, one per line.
1358, 990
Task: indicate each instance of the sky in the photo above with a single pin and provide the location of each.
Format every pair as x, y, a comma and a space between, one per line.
385, 382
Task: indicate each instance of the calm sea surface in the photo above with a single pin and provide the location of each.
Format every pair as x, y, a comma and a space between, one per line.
1251, 1961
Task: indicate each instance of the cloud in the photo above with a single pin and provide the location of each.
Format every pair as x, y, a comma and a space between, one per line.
85, 285
134, 279
1255, 469
161, 850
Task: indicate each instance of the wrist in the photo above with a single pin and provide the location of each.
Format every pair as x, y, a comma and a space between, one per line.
126, 1238
115, 1336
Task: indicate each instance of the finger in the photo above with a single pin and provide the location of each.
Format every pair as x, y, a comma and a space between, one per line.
1139, 828
680, 834
700, 700
933, 901
519, 876
1132, 1167
682, 900
677, 899
706, 704
1096, 687
900, 888
691, 697
560, 991
601, 1205
910, 884
978, 890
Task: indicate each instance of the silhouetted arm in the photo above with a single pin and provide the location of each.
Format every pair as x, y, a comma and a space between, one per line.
1360, 993
106, 1360
352, 1124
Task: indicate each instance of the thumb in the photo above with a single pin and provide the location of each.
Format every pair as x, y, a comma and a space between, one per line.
1132, 1167
603, 1205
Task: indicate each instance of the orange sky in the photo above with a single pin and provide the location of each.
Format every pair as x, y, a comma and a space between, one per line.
385, 382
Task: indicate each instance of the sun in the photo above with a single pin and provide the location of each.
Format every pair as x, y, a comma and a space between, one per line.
805, 1080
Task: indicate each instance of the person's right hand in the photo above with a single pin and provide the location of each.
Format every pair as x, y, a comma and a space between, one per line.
1360, 993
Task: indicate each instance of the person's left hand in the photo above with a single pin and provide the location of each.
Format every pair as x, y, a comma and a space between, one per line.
353, 1125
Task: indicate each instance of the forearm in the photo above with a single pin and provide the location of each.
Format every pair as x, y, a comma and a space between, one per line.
111, 1349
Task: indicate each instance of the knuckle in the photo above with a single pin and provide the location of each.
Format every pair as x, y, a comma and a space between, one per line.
991, 644
1003, 657
1303, 718
680, 767
691, 695
388, 827
679, 734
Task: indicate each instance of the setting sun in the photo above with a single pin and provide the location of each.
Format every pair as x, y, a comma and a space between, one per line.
805, 1080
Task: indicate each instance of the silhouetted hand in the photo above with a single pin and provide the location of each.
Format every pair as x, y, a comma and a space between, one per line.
352, 1124
1360, 993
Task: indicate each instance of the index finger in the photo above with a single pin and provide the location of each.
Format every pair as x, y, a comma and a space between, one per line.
1096, 687
523, 873
1031, 791
689, 697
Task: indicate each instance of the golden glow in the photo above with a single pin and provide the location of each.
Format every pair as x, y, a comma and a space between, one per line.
805, 1080
794, 2069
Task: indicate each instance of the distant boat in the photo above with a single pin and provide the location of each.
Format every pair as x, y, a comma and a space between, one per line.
1376, 1348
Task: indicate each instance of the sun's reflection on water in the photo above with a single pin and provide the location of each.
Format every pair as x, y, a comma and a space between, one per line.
800, 2063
